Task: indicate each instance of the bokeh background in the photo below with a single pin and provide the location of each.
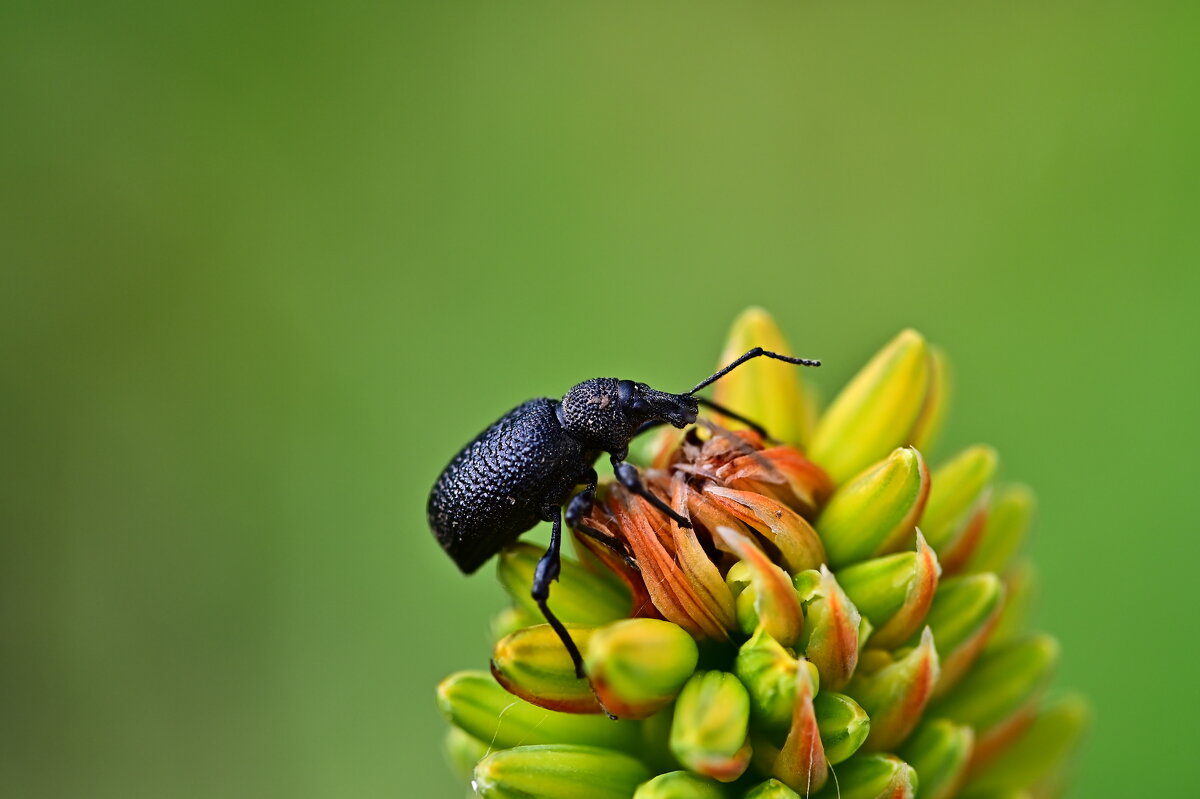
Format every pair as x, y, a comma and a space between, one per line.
267, 265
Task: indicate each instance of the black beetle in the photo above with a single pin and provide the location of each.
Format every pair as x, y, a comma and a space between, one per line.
523, 468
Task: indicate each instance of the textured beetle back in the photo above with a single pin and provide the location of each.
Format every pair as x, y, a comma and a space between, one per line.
496, 487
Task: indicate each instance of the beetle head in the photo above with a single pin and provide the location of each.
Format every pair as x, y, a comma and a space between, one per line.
606, 412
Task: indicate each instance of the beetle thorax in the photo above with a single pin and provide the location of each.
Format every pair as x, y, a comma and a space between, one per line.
592, 412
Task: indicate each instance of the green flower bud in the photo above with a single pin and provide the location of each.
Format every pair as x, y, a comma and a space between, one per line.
775, 603
768, 671
830, 636
940, 751
769, 392
533, 664
1002, 681
463, 751
894, 592
933, 413
1020, 584
957, 509
877, 587
964, 611
895, 692
680, 785
843, 725
1040, 758
865, 631
474, 701
655, 750
558, 771
1007, 523
709, 730
580, 596
876, 512
638, 666
511, 619
873, 777
801, 763
877, 411
772, 789
744, 596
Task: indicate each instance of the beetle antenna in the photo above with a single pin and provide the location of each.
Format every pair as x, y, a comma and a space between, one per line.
754, 353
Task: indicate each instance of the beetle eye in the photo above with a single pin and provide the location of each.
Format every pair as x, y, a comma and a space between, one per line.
638, 405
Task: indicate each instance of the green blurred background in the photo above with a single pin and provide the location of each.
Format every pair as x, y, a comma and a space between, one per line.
266, 266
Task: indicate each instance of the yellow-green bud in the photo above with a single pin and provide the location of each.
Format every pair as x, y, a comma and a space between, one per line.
655, 750
768, 671
775, 602
744, 596
474, 701
940, 751
772, 789
998, 695
873, 777
1020, 585
463, 751
831, 627
1040, 758
876, 512
877, 411
638, 666
963, 613
709, 730
771, 393
1007, 523
843, 725
533, 664
800, 763
958, 499
558, 771
512, 618
937, 399
580, 596
895, 693
878, 586
894, 592
680, 785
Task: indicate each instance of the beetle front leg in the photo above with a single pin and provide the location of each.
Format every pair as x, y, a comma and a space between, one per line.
627, 475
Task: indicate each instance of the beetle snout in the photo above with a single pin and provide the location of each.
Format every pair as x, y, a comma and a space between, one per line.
681, 412
678, 410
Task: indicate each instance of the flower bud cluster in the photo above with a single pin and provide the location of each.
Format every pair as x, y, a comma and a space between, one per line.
840, 619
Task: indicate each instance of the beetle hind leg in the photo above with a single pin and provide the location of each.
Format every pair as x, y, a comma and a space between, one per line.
545, 573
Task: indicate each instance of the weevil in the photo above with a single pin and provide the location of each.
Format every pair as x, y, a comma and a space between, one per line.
524, 468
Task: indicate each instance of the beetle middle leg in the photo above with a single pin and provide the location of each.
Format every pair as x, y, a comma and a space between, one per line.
545, 573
